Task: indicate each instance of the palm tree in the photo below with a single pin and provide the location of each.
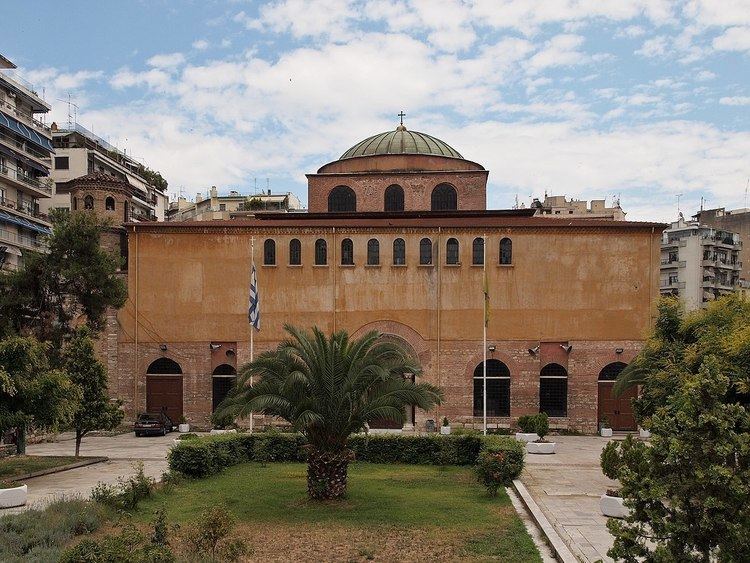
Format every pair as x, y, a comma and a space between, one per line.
329, 388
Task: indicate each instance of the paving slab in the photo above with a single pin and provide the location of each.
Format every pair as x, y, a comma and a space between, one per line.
566, 486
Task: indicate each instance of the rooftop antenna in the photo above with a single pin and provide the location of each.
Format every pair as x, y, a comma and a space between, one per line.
72, 111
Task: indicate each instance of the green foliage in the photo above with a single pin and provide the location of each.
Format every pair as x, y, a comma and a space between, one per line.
127, 493
446, 422
212, 454
209, 536
254, 204
32, 394
39, 534
94, 411
77, 278
534, 423
689, 489
154, 178
330, 387
500, 461
129, 546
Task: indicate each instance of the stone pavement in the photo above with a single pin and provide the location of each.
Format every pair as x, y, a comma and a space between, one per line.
123, 451
567, 487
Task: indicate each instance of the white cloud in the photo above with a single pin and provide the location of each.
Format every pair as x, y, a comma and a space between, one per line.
735, 101
733, 39
654, 47
561, 50
154, 78
705, 76
303, 18
718, 13
201, 45
169, 60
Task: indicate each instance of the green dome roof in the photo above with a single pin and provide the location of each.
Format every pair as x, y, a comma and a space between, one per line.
401, 141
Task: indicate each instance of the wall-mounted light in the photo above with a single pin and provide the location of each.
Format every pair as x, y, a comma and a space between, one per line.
230, 352
533, 351
215, 346
619, 350
567, 348
163, 347
491, 347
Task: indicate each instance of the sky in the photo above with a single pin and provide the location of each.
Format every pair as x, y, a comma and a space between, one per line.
641, 100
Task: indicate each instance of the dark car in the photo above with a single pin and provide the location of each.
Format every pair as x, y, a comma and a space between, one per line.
153, 424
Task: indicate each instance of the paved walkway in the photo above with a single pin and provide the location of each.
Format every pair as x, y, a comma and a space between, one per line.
123, 451
567, 487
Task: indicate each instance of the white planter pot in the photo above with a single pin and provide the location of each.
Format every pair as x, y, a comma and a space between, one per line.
540, 447
183, 428
644, 433
527, 436
223, 431
15, 496
445, 430
613, 507
606, 432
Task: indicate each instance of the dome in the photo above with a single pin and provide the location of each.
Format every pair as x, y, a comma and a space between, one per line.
401, 141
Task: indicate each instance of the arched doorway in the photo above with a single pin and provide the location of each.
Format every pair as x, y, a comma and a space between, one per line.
223, 380
164, 388
617, 410
385, 425
498, 389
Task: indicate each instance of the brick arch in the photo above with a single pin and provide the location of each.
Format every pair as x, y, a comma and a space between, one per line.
477, 359
626, 358
400, 330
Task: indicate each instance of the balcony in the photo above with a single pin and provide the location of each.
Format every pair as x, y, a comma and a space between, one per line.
41, 187
671, 284
25, 117
23, 241
23, 209
139, 216
26, 148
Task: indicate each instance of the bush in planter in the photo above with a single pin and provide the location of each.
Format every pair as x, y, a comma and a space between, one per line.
500, 461
604, 422
541, 426
527, 423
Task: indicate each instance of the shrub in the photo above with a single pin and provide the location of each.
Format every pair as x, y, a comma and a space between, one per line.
129, 545
542, 425
39, 534
419, 450
527, 423
500, 461
208, 537
534, 423
127, 493
188, 436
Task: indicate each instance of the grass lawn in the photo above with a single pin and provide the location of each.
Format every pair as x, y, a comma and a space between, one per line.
15, 466
393, 512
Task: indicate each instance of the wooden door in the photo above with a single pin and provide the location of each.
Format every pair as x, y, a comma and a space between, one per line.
164, 392
618, 410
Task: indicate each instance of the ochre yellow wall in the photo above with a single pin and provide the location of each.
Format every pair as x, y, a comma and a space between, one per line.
595, 283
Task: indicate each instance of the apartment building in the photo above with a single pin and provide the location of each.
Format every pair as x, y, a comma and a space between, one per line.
25, 151
79, 152
217, 207
736, 221
559, 206
699, 263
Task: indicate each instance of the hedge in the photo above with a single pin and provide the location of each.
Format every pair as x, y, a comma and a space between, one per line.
212, 454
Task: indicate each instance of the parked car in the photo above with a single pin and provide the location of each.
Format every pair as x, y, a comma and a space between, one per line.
153, 424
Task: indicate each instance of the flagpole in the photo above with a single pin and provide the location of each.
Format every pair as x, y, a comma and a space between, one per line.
484, 327
252, 328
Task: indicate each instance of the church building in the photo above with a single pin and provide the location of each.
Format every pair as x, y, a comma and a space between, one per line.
397, 239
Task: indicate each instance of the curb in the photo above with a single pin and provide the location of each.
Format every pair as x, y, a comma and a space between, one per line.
60, 469
561, 550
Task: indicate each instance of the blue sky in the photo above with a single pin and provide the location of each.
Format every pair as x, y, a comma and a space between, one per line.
641, 99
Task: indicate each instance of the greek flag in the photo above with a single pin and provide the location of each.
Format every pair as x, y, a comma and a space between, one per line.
253, 311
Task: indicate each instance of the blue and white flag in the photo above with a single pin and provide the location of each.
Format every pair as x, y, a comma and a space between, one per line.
253, 311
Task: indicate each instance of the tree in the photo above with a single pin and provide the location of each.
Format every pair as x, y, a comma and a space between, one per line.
94, 411
76, 278
31, 393
329, 388
689, 489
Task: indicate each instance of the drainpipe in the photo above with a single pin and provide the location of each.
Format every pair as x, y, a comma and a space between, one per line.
439, 307
136, 375
333, 269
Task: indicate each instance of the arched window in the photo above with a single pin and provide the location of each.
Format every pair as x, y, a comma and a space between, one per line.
109, 203
342, 198
347, 252
373, 252
399, 252
444, 198
295, 252
553, 390
269, 252
321, 252
498, 389
611, 371
506, 251
88, 202
164, 366
451, 251
394, 198
477, 251
425, 252
224, 377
